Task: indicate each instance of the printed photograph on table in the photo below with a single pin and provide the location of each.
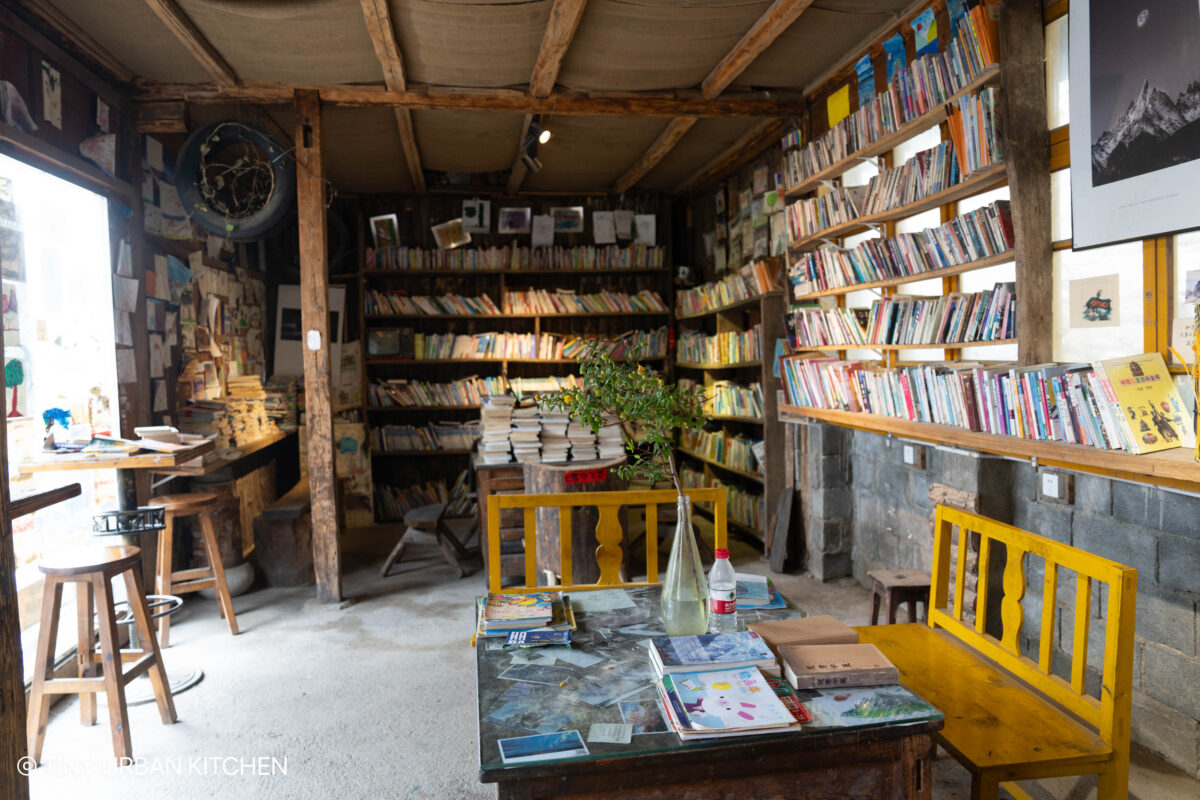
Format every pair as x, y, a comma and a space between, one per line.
513, 220
385, 231
1093, 302
567, 219
545, 746
1133, 71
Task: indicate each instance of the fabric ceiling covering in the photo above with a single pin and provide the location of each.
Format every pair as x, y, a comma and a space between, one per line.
620, 45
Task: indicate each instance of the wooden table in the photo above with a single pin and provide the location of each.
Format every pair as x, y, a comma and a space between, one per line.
145, 459
868, 758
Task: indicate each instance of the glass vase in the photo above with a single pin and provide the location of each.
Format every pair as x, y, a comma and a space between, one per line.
685, 589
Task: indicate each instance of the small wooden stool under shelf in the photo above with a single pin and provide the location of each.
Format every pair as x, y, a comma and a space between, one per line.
170, 581
93, 569
431, 520
896, 586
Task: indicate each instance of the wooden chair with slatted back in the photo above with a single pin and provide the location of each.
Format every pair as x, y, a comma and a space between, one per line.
999, 727
609, 535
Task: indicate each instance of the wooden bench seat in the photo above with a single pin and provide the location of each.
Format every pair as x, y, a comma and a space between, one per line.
1010, 716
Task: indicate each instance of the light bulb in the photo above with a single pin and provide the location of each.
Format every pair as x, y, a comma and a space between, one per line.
544, 136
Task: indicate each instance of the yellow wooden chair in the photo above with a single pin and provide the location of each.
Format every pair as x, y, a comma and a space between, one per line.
998, 727
609, 536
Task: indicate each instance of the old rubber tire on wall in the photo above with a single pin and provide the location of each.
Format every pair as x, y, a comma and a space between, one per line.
254, 225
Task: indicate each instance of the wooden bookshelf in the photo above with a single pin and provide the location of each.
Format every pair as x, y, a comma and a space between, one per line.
375, 409
981, 181
732, 523
934, 346
455, 273
934, 116
753, 476
1174, 468
736, 418
740, 304
738, 365
944, 272
396, 453
400, 360
561, 315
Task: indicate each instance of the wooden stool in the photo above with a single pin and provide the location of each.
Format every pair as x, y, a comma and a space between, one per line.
169, 581
896, 586
430, 520
93, 569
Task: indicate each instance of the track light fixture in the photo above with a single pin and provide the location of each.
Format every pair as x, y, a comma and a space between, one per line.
531, 161
534, 136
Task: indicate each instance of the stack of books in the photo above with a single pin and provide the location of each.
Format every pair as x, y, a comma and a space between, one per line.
807, 218
525, 434
515, 257
432, 436
739, 649
280, 401
609, 441
583, 441
504, 614
400, 303
925, 173
495, 428
731, 347
750, 281
732, 451
556, 447
565, 301
526, 387
836, 666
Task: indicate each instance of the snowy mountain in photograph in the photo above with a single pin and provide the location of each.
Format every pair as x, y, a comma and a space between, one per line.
1154, 133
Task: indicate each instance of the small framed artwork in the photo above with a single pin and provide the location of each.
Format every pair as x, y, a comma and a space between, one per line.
514, 220
450, 234
567, 219
385, 231
477, 215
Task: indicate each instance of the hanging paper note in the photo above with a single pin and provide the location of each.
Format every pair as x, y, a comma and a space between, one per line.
124, 329
156, 356
543, 230
646, 233
126, 367
51, 96
604, 227
866, 80
125, 293
102, 115
838, 105
125, 259
894, 49
160, 396
624, 222
925, 33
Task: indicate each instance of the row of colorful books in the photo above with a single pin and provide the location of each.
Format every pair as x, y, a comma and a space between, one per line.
955, 318
730, 347
974, 127
402, 303
1128, 404
924, 84
729, 398
808, 217
927, 172
742, 505
545, 346
516, 257
970, 237
431, 436
391, 502
565, 301
399, 392
750, 281
736, 452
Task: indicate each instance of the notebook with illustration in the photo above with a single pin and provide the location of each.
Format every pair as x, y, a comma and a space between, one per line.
711, 650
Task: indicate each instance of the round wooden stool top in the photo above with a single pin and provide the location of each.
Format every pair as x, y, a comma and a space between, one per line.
86, 560
187, 503
424, 518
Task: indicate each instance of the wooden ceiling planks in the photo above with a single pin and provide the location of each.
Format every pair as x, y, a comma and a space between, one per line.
378, 18
193, 41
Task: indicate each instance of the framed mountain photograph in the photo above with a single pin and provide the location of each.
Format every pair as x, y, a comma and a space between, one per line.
1135, 119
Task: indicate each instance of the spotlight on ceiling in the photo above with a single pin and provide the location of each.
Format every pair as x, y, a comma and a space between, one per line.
537, 132
543, 134
531, 161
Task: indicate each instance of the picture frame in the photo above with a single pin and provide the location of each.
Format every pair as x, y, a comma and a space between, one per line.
450, 234
514, 220
1135, 176
567, 219
385, 231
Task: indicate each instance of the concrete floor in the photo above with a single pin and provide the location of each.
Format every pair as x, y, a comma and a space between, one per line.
373, 699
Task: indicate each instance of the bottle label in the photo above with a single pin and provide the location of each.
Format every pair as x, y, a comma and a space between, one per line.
722, 601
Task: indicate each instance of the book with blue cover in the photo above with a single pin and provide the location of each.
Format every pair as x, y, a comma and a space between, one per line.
734, 650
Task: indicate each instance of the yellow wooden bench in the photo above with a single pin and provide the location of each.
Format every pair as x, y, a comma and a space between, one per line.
609, 536
1008, 717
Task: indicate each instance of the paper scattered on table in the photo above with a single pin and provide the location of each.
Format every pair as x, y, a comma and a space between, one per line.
602, 601
604, 227
563, 744
538, 659
126, 367
646, 234
623, 220
543, 230
125, 293
577, 658
613, 732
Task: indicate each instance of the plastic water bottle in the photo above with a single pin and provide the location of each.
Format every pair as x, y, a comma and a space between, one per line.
722, 595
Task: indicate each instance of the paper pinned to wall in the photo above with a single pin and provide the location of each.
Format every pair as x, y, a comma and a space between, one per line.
623, 219
156, 355
51, 95
604, 227
102, 115
154, 154
172, 328
646, 230
212, 246
124, 329
160, 396
925, 33
543, 230
125, 293
125, 259
126, 367
152, 220
837, 105
161, 278
865, 71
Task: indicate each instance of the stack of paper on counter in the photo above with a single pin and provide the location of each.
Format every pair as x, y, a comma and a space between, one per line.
501, 614
826, 666
822, 629
738, 649
721, 703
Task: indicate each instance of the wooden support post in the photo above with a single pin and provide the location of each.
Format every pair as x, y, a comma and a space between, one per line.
1027, 154
314, 315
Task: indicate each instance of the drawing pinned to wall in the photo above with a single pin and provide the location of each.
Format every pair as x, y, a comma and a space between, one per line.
719, 201
865, 71
1093, 302
450, 234
1191, 295
51, 95
567, 219
102, 115
14, 381
925, 33
101, 150
543, 231
760, 180
623, 218
477, 215
646, 229
514, 220
385, 231
604, 227
893, 48
837, 105
12, 317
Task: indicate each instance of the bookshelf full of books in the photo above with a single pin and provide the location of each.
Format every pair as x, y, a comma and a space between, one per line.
447, 330
728, 330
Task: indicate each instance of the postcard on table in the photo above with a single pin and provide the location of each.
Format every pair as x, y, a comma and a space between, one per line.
533, 673
542, 747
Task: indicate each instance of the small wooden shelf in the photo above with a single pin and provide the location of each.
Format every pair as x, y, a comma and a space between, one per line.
906, 131
396, 453
935, 346
973, 184
736, 418
754, 476
708, 512
1175, 468
374, 409
749, 301
394, 360
944, 272
465, 273
572, 314
738, 365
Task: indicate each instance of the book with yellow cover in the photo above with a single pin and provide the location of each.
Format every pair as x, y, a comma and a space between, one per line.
1150, 407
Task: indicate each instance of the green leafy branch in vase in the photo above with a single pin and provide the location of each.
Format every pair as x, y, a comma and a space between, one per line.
628, 394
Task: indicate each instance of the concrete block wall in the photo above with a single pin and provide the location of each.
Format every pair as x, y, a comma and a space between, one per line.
864, 508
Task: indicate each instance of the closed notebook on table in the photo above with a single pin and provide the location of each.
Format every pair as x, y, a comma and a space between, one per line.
736, 649
822, 629
827, 666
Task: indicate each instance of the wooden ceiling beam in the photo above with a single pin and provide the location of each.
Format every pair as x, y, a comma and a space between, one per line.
81, 39
666, 140
383, 37
742, 151
685, 103
193, 41
560, 30
762, 34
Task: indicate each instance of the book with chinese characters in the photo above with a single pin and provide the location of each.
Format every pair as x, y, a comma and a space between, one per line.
1143, 397
711, 650
827, 666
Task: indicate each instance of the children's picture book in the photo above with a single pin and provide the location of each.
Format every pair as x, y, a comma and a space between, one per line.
729, 650
538, 638
724, 701
873, 705
752, 590
562, 619
1151, 409
515, 610
542, 747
